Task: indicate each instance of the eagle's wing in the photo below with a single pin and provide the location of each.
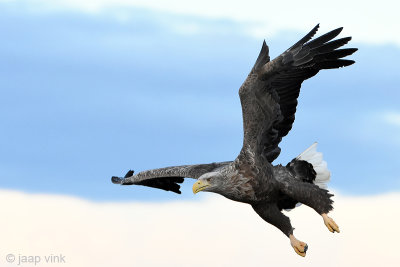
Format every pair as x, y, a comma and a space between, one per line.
168, 178
269, 94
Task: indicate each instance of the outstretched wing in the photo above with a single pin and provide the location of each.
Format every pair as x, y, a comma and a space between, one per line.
269, 94
168, 178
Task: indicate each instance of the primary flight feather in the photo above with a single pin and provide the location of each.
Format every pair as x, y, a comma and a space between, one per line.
269, 100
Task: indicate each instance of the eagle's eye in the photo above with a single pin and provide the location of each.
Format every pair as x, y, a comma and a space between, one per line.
208, 179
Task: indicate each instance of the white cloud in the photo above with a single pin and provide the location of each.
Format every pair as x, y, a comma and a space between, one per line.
208, 232
392, 118
366, 21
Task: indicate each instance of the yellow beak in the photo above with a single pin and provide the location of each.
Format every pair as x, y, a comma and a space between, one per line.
199, 186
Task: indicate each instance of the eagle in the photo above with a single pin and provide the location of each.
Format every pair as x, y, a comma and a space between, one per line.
268, 98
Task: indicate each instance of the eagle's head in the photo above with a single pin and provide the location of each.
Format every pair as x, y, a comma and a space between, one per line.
210, 182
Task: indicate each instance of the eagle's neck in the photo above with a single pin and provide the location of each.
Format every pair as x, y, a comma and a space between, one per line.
238, 183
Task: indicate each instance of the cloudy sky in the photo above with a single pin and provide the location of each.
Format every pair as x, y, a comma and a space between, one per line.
91, 89
212, 232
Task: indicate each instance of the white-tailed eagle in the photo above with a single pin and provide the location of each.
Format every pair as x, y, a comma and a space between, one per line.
269, 99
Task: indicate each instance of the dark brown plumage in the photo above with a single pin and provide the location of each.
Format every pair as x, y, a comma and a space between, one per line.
269, 100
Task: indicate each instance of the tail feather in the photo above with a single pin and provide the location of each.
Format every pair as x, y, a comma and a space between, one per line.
320, 166
309, 167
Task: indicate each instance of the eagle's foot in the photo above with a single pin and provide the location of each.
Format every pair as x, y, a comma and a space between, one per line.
330, 223
298, 246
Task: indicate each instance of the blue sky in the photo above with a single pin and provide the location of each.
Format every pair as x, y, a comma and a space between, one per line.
87, 96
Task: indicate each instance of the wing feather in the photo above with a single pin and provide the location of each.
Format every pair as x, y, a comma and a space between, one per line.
167, 178
273, 88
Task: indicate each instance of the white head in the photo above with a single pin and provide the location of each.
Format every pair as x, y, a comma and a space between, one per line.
210, 182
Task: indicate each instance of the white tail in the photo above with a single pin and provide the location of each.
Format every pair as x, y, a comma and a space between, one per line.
320, 166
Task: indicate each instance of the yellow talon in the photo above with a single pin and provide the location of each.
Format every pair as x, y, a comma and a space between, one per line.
299, 247
330, 223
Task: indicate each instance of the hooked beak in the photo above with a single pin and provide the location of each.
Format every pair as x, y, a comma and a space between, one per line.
200, 185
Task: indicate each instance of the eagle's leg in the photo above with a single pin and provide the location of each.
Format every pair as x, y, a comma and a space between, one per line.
311, 195
271, 214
